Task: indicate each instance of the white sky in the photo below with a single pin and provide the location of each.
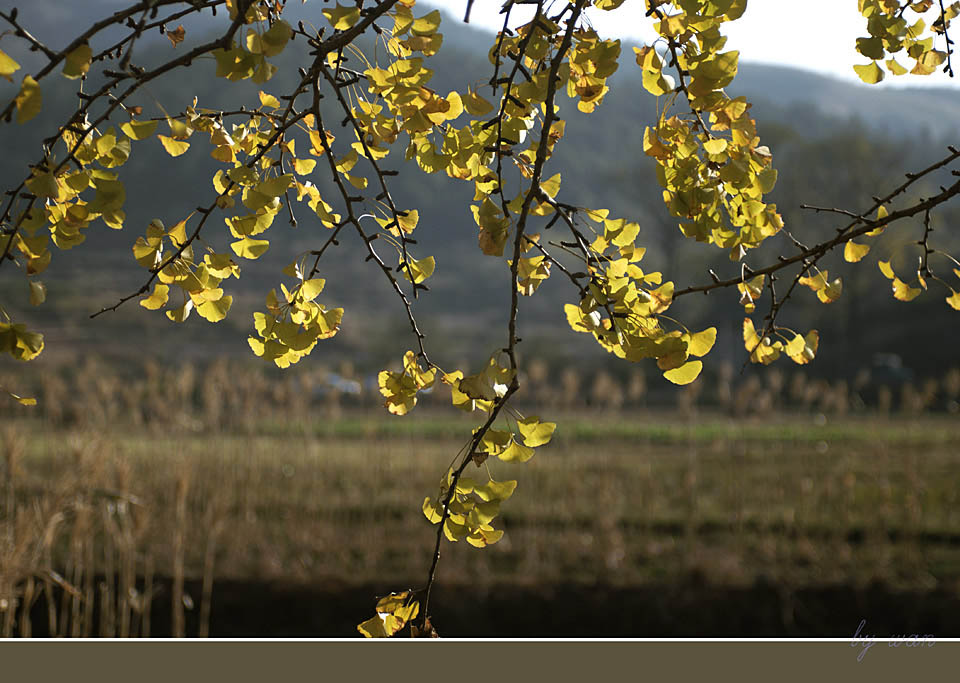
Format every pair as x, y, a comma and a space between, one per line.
818, 35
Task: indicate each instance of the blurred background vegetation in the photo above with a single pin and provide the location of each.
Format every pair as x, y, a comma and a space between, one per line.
169, 480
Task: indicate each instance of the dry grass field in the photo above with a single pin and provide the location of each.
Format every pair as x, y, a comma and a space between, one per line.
96, 520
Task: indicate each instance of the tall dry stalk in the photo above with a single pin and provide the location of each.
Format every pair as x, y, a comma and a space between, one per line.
147, 596
215, 521
107, 586
89, 595
179, 547
12, 450
29, 595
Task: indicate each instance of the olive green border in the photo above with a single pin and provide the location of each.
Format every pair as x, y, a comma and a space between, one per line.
488, 661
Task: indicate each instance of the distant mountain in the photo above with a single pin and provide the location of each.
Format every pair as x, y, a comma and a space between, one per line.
899, 111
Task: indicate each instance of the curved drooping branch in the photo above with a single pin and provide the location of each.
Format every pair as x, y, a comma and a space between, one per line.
533, 192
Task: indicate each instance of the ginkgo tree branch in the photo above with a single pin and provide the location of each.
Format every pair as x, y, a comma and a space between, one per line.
505, 100
948, 69
117, 18
384, 190
207, 211
893, 194
348, 201
20, 31
469, 457
141, 78
532, 192
818, 250
159, 23
674, 47
79, 116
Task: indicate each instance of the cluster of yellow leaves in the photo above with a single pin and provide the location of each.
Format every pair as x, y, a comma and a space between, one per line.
622, 306
69, 199
901, 290
249, 59
292, 327
65, 212
891, 33
801, 349
532, 271
199, 279
827, 290
411, 34
258, 10
713, 170
479, 391
472, 509
400, 388
393, 613
750, 291
19, 342
592, 61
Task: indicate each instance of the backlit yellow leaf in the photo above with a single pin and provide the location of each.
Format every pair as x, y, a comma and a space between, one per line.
516, 453
701, 342
342, 18
8, 65
311, 289
426, 24
476, 105
250, 248
954, 300
496, 490
802, 350
157, 299
685, 374
178, 315
536, 433
904, 292
77, 62
420, 269
853, 252
551, 186
267, 100
869, 73
29, 101
139, 130
304, 166
174, 147
831, 291
215, 311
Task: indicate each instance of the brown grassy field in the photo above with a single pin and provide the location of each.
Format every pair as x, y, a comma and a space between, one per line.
98, 516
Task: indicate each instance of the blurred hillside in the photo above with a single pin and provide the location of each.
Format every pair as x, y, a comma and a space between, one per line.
834, 145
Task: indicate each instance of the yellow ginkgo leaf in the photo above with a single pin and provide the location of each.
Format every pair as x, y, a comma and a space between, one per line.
174, 147
853, 252
8, 65
685, 374
29, 101
701, 342
157, 299
77, 62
